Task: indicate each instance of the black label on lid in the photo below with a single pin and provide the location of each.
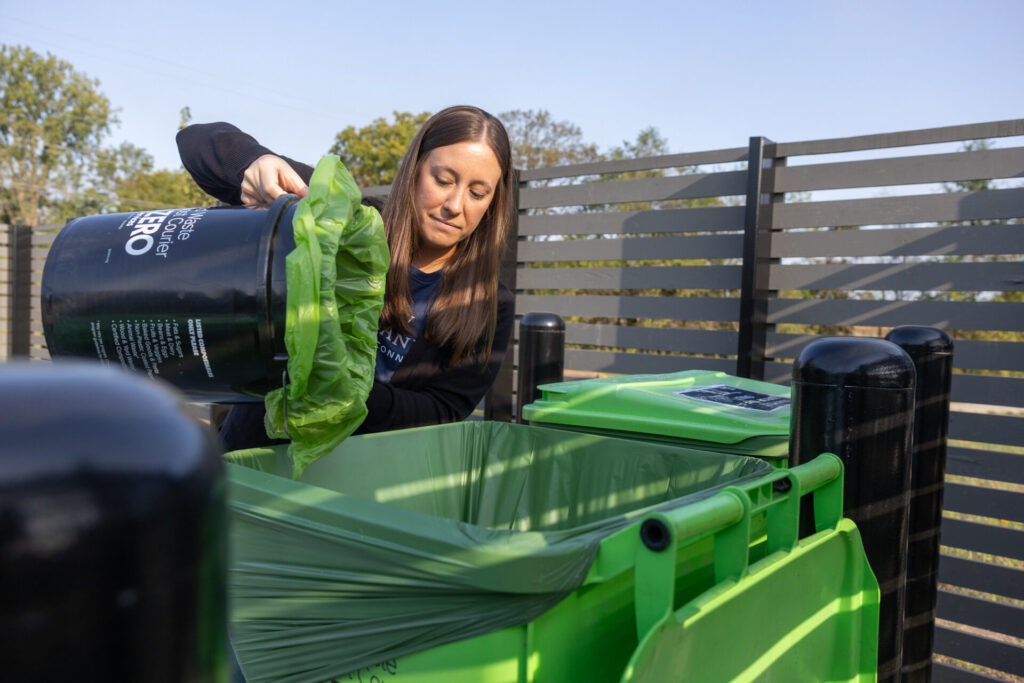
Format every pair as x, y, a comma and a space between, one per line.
739, 398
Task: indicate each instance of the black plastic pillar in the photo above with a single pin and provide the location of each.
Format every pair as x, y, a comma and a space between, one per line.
932, 352
541, 356
855, 398
112, 530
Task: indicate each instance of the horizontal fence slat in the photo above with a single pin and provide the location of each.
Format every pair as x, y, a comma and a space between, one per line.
924, 208
981, 576
703, 219
637, 248
983, 538
953, 240
910, 170
992, 465
653, 307
790, 345
984, 502
980, 613
988, 355
996, 429
778, 372
988, 390
717, 156
926, 136
948, 673
641, 363
687, 186
645, 277
979, 650
948, 315
938, 277
659, 338
969, 354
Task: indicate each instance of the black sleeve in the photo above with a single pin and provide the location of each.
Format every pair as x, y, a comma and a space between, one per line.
451, 394
217, 154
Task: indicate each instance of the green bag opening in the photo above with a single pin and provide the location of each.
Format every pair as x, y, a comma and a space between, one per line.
335, 280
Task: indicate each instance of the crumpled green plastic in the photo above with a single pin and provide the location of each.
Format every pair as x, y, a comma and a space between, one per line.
399, 542
335, 278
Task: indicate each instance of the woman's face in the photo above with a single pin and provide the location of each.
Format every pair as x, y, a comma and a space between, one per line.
456, 185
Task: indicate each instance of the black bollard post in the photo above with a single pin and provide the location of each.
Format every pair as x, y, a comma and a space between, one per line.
112, 531
855, 398
932, 352
541, 356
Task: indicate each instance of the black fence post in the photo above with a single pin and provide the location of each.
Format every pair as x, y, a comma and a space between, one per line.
855, 398
498, 402
755, 287
113, 535
541, 356
932, 352
19, 298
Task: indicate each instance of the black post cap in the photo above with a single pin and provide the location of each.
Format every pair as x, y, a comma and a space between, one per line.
112, 529
919, 341
543, 321
854, 362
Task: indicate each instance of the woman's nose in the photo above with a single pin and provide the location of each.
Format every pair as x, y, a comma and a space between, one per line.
453, 202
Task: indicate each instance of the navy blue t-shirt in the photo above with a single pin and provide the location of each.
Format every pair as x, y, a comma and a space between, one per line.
392, 345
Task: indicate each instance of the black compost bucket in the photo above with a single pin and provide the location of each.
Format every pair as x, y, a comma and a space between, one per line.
193, 296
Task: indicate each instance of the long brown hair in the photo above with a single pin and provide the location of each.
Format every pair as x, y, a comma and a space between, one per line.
466, 306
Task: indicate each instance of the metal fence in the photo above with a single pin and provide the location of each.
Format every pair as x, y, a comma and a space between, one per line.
733, 260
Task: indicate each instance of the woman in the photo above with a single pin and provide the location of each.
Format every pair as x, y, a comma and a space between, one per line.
446, 321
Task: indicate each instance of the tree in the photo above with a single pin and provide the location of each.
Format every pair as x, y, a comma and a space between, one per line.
52, 120
126, 179
538, 141
372, 153
648, 143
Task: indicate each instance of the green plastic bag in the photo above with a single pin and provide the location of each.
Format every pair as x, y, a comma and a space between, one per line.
335, 277
401, 541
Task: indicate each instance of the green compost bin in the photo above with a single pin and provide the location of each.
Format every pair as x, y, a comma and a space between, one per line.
488, 552
709, 410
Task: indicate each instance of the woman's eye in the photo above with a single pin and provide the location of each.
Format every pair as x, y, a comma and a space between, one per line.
443, 182
478, 195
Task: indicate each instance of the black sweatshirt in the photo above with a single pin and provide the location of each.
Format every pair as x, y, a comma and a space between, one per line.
425, 388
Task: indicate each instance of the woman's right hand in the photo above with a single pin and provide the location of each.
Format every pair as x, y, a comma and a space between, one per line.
268, 178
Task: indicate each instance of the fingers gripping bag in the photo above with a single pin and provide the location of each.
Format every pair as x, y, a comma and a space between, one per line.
335, 292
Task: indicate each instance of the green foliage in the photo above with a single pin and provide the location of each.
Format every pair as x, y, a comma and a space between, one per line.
372, 153
52, 120
538, 141
53, 166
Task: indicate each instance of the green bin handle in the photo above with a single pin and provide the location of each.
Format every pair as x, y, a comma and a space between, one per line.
726, 516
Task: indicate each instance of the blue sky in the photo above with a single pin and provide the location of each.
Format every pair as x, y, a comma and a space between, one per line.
707, 75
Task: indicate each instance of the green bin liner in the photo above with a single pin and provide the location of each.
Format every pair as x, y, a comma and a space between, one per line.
335, 292
708, 410
400, 542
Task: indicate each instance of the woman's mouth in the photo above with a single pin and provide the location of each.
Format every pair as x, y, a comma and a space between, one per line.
445, 224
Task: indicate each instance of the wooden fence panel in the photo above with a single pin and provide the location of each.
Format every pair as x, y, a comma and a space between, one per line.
700, 219
633, 249
639, 277
952, 240
924, 208
931, 168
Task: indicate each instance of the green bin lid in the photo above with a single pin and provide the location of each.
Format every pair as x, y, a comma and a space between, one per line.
709, 409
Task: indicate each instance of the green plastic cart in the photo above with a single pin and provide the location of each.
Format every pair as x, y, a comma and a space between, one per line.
488, 552
708, 410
